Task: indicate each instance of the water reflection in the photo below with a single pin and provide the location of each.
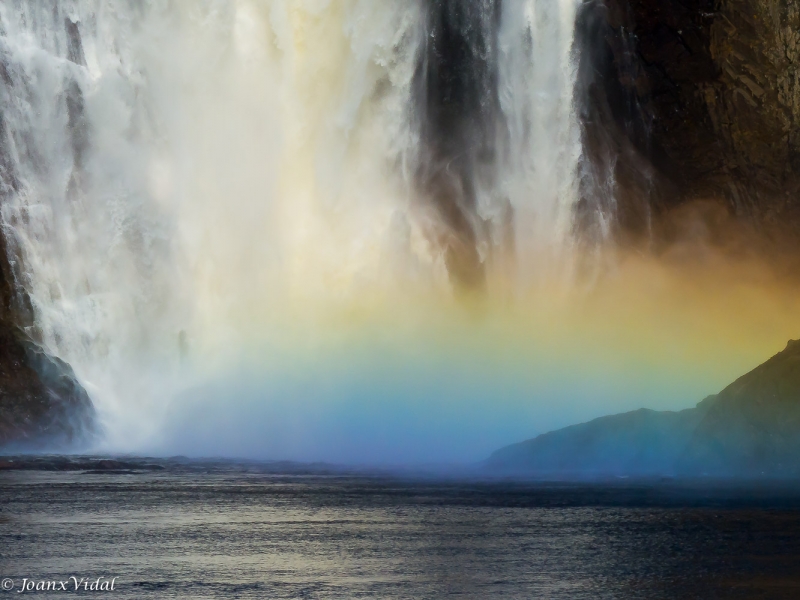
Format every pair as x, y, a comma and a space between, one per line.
222, 533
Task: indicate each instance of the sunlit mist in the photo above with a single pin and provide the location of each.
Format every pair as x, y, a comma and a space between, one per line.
245, 260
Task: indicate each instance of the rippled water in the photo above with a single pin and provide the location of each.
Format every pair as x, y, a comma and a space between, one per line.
243, 531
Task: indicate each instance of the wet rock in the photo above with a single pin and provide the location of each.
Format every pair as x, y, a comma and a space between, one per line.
717, 84
41, 403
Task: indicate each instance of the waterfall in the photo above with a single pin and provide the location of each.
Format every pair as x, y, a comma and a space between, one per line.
181, 179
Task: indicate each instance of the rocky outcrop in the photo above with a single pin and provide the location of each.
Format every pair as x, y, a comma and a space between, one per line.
41, 403
751, 429
753, 425
707, 93
42, 406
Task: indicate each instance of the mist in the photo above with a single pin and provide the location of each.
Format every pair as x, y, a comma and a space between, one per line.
450, 384
252, 229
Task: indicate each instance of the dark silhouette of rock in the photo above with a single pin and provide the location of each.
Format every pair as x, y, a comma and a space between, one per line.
753, 425
751, 429
41, 403
704, 93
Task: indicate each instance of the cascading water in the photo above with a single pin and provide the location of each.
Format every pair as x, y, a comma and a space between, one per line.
186, 181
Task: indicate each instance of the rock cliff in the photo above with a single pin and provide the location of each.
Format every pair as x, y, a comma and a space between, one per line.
706, 93
41, 403
751, 429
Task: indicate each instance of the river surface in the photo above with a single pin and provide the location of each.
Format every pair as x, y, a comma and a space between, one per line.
180, 529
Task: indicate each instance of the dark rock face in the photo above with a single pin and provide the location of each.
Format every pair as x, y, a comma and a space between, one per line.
41, 403
715, 87
458, 110
619, 178
751, 429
